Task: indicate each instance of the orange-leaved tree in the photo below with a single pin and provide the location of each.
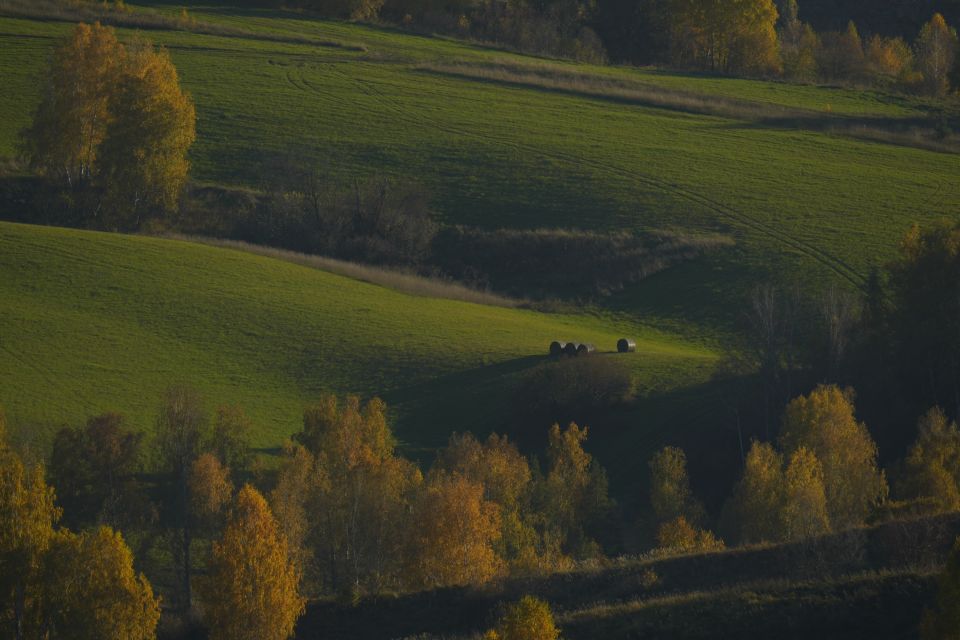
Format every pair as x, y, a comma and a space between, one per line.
63, 142
824, 423
453, 532
505, 475
937, 47
27, 515
114, 124
359, 494
143, 158
932, 467
90, 589
528, 619
252, 586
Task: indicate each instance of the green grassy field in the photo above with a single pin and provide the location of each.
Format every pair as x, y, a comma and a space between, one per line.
101, 322
93, 322
800, 201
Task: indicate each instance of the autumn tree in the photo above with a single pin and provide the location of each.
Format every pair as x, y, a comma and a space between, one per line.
251, 591
936, 49
27, 515
932, 467
114, 124
93, 468
454, 530
841, 55
573, 493
753, 512
71, 122
505, 476
798, 44
91, 591
181, 433
678, 535
670, 494
366, 494
210, 488
528, 619
803, 512
299, 482
824, 423
732, 36
143, 157
888, 58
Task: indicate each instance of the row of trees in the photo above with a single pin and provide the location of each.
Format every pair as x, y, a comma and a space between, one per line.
365, 520
764, 37
760, 37
926, 66
343, 515
820, 475
112, 130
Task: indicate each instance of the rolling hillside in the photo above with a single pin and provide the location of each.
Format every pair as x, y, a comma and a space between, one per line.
92, 322
814, 182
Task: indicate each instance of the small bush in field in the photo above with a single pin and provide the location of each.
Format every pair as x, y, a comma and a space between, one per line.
528, 619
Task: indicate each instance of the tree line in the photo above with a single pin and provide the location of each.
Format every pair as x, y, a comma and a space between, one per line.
752, 37
344, 515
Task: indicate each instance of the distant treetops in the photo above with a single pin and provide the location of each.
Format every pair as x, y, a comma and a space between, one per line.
112, 129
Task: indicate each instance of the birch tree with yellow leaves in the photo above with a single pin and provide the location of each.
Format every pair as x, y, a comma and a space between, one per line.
114, 127
251, 591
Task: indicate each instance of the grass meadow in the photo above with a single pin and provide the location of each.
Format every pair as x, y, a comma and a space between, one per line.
815, 182
97, 322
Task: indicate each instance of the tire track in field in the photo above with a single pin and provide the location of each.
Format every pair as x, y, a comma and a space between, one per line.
832, 262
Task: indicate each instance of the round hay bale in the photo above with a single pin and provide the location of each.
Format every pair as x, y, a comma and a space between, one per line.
556, 349
570, 348
625, 345
585, 349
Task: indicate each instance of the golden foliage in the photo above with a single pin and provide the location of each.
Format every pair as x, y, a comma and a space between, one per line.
937, 47
210, 486
144, 154
454, 534
670, 493
773, 504
252, 587
730, 36
528, 619
299, 482
358, 491
680, 535
889, 57
91, 591
755, 504
932, 467
824, 423
804, 510
27, 515
73, 117
496, 464
573, 492
117, 118
505, 475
